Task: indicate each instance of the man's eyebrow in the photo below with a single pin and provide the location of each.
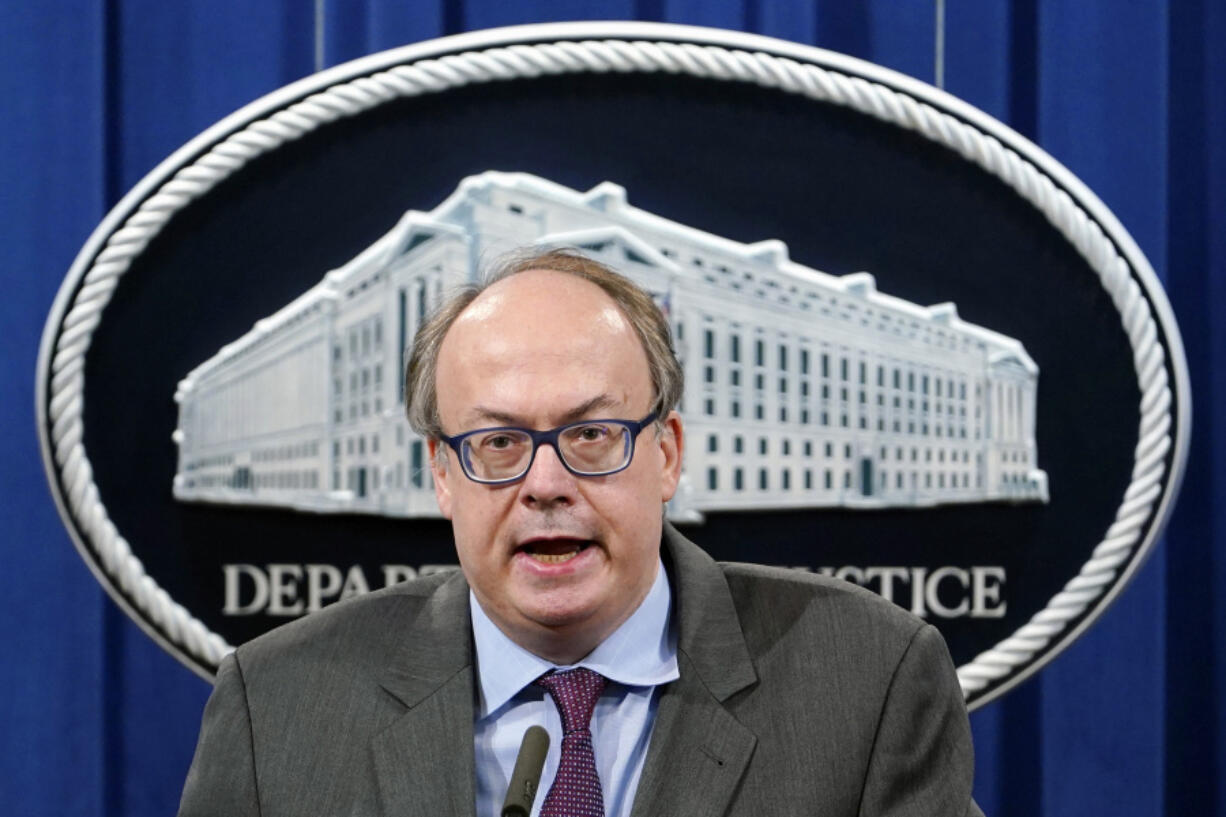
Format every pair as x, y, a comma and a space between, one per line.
600, 401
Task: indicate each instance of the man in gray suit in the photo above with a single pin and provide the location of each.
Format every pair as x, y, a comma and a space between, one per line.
671, 685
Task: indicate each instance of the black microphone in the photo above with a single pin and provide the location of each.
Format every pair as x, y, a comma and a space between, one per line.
527, 775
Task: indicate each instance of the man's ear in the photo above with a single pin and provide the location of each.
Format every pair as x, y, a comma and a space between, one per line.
672, 446
438, 467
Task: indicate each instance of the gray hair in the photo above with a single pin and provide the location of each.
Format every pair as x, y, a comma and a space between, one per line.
667, 379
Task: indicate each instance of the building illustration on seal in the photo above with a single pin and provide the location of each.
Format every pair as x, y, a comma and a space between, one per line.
803, 389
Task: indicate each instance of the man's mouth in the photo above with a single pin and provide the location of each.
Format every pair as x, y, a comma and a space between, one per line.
554, 551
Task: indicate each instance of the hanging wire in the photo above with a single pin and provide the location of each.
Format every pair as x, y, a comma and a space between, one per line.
319, 35
938, 68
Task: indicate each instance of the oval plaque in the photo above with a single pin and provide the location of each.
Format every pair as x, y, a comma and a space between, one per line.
920, 355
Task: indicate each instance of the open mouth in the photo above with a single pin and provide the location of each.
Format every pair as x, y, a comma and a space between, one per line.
555, 551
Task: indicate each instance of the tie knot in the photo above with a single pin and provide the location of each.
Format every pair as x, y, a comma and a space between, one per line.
574, 692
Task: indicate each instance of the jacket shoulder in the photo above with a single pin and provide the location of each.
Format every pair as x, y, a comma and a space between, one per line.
814, 613
355, 634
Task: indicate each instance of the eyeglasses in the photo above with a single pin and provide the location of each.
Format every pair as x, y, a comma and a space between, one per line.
589, 448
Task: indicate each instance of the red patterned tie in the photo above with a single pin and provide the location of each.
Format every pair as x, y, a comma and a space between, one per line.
576, 787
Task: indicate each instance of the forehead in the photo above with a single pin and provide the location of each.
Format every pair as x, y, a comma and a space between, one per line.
540, 336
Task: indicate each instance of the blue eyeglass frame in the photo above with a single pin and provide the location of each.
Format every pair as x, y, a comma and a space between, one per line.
549, 438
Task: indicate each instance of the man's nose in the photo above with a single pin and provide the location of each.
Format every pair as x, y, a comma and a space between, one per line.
547, 482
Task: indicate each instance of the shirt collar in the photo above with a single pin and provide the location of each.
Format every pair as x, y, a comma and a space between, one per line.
641, 652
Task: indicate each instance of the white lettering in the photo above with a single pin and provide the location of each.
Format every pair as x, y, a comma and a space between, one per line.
917, 591
887, 575
234, 575
932, 596
323, 582
355, 583
983, 591
283, 590
933, 592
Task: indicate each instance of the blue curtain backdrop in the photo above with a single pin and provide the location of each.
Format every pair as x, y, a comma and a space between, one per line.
97, 720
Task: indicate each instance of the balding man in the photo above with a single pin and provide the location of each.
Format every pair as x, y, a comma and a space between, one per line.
670, 684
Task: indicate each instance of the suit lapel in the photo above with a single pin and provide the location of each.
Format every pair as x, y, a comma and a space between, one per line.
424, 759
698, 751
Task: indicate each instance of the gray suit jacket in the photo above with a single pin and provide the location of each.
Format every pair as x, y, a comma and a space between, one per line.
798, 695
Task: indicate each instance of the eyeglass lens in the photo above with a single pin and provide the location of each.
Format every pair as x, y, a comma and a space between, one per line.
589, 448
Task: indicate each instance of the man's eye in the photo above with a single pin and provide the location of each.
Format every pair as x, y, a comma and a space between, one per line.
590, 434
499, 442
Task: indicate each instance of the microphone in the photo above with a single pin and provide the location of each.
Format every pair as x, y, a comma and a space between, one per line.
527, 775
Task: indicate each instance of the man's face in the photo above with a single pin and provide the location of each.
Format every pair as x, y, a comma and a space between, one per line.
555, 560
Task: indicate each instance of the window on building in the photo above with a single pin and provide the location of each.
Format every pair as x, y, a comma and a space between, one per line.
804, 361
787, 448
847, 479
863, 372
738, 479
847, 451
843, 368
759, 353
415, 463
709, 374
708, 406
712, 443
763, 446
738, 444
758, 412
825, 365
736, 349
783, 385
763, 479
808, 479
786, 476
783, 358
712, 479
829, 479
708, 343
736, 408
